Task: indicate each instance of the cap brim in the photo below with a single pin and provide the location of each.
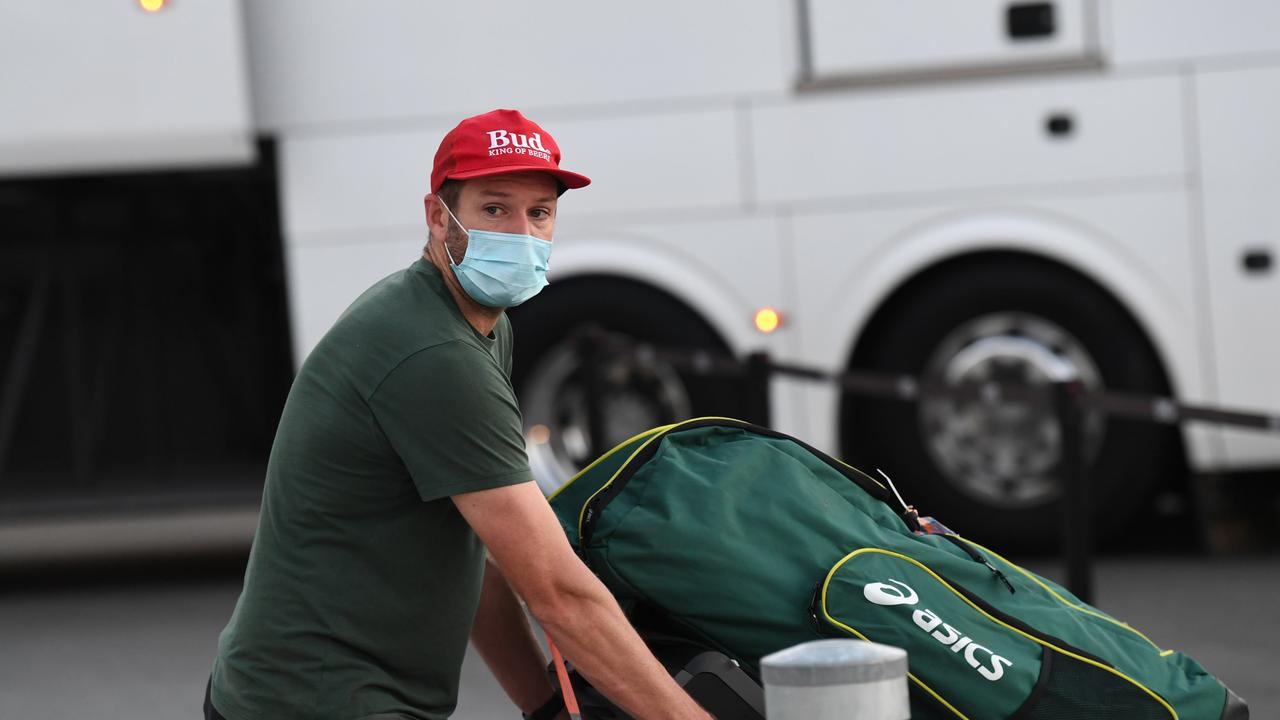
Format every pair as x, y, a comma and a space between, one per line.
571, 180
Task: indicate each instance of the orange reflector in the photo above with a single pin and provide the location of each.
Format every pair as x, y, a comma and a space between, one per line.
152, 5
767, 320
539, 434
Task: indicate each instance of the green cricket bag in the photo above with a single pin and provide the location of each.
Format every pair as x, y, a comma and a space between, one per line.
747, 541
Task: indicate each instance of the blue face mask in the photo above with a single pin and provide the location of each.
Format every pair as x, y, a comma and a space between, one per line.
500, 269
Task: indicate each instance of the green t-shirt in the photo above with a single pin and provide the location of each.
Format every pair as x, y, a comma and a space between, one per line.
363, 579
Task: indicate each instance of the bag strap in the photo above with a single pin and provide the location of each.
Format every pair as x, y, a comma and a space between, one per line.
566, 686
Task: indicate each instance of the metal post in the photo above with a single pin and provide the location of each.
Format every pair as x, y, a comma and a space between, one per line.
756, 393
591, 357
1077, 500
836, 679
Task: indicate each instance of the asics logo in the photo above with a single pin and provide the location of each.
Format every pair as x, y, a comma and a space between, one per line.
897, 594
979, 657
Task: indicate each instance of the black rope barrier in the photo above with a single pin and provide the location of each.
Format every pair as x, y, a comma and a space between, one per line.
1069, 400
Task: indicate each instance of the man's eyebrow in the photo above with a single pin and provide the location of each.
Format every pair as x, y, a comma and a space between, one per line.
502, 194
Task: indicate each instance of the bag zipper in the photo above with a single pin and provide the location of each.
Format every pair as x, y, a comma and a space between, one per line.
978, 557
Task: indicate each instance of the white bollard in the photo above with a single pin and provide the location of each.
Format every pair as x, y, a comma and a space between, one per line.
836, 680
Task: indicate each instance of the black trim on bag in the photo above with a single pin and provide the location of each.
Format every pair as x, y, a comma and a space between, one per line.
596, 505
1234, 707
1046, 668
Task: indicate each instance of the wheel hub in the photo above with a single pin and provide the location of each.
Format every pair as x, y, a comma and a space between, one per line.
1004, 453
637, 393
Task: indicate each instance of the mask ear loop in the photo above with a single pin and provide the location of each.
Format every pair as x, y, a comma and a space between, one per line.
455, 219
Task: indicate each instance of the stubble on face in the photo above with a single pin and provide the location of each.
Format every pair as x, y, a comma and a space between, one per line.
455, 239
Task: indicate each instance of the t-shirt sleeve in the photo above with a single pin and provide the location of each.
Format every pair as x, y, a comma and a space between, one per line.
449, 412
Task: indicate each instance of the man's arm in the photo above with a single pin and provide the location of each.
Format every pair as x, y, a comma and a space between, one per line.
573, 607
502, 636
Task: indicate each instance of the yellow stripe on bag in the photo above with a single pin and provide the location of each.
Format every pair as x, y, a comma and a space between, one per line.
604, 457
657, 433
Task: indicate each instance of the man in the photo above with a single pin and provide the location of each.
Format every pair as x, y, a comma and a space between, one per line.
399, 458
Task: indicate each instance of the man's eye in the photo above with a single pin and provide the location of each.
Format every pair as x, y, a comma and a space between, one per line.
492, 210
540, 213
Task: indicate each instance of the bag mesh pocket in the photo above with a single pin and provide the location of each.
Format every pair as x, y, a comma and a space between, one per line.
1078, 691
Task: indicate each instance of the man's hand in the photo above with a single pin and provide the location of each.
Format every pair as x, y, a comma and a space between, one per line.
573, 607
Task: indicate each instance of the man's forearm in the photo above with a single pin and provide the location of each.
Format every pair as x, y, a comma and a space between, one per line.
592, 632
504, 639
575, 609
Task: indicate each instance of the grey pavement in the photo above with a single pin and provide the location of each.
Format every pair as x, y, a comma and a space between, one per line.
140, 649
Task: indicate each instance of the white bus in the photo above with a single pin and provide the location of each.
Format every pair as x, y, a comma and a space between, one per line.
977, 190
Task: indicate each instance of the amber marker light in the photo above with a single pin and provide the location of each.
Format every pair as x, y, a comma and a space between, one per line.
539, 434
152, 6
768, 320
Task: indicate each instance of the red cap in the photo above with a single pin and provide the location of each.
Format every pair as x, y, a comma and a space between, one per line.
495, 143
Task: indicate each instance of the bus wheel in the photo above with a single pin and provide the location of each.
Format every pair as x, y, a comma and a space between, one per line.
987, 469
639, 392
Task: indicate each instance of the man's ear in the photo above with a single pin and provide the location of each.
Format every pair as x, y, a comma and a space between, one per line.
437, 222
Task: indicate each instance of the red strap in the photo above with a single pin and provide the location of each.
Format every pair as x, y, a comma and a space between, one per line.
566, 687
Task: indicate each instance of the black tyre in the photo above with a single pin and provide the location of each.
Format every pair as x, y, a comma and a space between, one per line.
638, 392
987, 470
